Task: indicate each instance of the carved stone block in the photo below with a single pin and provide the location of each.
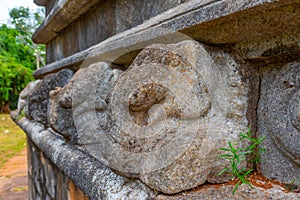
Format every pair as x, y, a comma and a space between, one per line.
84, 99
168, 115
23, 100
279, 122
60, 113
38, 100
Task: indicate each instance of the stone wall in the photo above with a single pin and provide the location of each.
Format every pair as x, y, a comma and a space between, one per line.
105, 18
138, 97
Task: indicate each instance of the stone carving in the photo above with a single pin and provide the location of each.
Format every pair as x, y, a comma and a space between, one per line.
23, 100
38, 100
60, 113
84, 97
25, 93
168, 115
279, 122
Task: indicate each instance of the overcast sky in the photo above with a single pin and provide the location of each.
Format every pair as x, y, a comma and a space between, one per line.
6, 5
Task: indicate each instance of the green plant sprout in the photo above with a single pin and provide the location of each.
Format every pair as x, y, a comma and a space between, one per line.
236, 155
292, 187
254, 148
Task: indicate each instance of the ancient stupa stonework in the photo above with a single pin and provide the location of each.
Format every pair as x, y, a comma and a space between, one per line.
138, 97
279, 121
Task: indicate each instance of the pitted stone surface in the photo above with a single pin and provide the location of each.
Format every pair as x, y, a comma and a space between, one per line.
90, 88
85, 96
28, 89
278, 115
169, 114
61, 115
130, 13
222, 192
38, 100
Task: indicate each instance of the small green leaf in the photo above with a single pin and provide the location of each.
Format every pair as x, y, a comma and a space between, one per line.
236, 187
223, 171
224, 149
248, 172
225, 156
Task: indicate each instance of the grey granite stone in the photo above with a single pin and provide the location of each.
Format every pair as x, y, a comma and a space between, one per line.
38, 100
28, 89
221, 192
50, 179
165, 118
79, 29
278, 122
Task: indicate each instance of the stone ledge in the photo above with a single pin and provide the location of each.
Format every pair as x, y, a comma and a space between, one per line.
213, 22
92, 177
223, 191
63, 13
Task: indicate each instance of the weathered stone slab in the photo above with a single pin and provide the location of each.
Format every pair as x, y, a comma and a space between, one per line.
164, 119
279, 122
38, 100
220, 192
169, 114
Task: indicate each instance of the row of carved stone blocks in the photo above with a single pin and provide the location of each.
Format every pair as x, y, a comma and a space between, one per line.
164, 118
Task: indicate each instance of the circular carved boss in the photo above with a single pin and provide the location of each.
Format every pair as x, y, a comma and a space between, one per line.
155, 111
166, 116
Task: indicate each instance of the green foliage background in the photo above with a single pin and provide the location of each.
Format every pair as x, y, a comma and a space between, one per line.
18, 53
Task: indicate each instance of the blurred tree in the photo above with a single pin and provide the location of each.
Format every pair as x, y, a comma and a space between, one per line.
26, 21
18, 54
20, 18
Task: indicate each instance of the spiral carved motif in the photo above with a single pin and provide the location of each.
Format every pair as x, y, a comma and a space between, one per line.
166, 117
160, 112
